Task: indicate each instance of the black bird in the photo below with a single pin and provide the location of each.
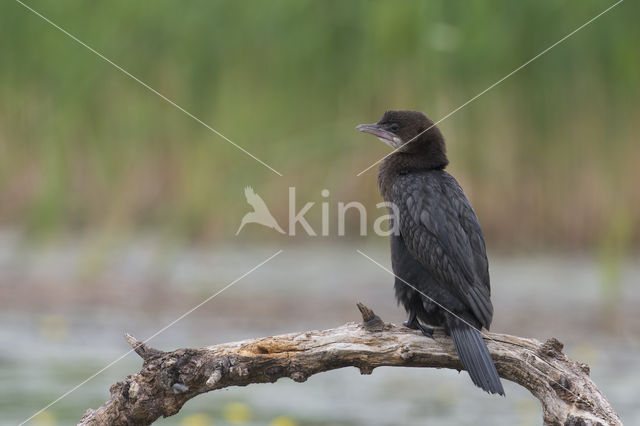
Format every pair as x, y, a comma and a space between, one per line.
438, 256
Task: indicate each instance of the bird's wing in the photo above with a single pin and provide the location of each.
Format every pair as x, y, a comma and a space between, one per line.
254, 200
442, 232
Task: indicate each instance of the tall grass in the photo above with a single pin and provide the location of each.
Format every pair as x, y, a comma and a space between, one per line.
549, 157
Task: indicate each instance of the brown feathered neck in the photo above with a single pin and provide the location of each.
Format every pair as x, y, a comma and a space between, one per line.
427, 152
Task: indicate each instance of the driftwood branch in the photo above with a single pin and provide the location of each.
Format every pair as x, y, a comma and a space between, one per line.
169, 379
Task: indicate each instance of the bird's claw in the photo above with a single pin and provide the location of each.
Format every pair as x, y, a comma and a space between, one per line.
411, 324
427, 331
415, 325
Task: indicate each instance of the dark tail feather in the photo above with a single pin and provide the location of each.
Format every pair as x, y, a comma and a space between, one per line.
475, 356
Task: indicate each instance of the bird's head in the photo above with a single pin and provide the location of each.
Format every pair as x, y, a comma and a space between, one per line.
407, 131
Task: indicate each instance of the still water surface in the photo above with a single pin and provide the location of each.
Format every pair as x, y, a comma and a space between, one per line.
64, 311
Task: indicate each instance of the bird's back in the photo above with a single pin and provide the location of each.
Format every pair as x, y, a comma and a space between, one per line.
440, 232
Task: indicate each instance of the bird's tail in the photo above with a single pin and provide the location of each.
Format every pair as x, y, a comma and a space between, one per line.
475, 356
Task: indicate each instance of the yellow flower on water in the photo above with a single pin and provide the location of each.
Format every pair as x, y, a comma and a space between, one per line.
199, 419
45, 418
237, 413
283, 421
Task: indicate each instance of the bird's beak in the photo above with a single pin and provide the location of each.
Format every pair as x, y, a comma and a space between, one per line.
375, 130
382, 134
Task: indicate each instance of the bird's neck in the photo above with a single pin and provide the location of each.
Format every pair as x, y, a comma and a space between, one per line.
400, 163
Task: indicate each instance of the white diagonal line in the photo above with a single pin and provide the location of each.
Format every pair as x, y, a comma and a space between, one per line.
498, 82
128, 74
151, 337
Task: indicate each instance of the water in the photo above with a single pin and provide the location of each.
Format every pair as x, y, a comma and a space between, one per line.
66, 307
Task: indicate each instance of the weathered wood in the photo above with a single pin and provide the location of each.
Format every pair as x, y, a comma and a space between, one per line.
169, 379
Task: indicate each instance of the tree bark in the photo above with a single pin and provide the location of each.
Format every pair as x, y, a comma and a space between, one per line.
169, 379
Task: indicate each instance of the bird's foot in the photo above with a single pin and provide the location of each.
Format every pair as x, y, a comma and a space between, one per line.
414, 324
412, 321
427, 331
411, 324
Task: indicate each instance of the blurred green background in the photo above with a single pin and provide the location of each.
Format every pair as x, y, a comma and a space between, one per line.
549, 157
118, 212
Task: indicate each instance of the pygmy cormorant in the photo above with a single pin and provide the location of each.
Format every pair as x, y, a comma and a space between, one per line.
438, 257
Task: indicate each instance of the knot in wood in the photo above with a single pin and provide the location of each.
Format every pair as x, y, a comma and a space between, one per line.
365, 370
239, 371
134, 389
406, 353
552, 347
585, 368
298, 376
179, 388
214, 378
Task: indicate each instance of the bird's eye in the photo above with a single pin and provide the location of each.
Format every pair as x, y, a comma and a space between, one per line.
394, 127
